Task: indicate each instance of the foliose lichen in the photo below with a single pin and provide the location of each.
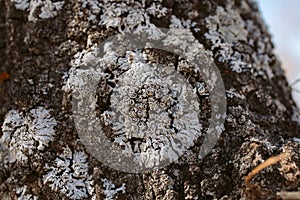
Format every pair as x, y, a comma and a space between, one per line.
110, 190
69, 174
148, 105
139, 102
126, 16
48, 8
25, 134
227, 31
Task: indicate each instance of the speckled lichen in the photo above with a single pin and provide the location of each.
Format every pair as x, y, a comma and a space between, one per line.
227, 28
226, 31
25, 134
69, 174
126, 16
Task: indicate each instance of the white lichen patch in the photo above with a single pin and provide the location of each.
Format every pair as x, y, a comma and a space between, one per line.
183, 24
26, 134
47, 8
110, 190
155, 109
22, 194
229, 24
126, 16
250, 156
180, 37
225, 29
149, 112
184, 39
232, 93
21, 4
262, 46
69, 174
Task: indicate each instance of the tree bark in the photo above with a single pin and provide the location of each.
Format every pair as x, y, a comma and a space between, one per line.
42, 156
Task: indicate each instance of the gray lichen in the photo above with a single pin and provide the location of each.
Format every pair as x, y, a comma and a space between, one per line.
70, 175
110, 189
48, 8
24, 134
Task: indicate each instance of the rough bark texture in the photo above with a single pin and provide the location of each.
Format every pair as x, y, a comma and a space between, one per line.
36, 51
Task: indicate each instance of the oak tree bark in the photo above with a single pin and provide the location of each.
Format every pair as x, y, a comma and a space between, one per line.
38, 42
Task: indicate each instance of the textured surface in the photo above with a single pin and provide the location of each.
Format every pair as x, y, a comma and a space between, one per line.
41, 43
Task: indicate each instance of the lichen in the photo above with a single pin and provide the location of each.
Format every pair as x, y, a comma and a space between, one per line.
183, 24
226, 28
160, 186
21, 4
289, 170
143, 107
69, 174
232, 93
110, 190
152, 107
289, 167
22, 194
87, 22
227, 31
48, 8
26, 134
295, 139
126, 16
251, 154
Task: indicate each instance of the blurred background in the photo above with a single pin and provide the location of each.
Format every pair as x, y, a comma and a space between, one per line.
283, 20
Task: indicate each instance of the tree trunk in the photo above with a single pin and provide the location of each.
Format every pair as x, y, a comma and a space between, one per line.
50, 48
